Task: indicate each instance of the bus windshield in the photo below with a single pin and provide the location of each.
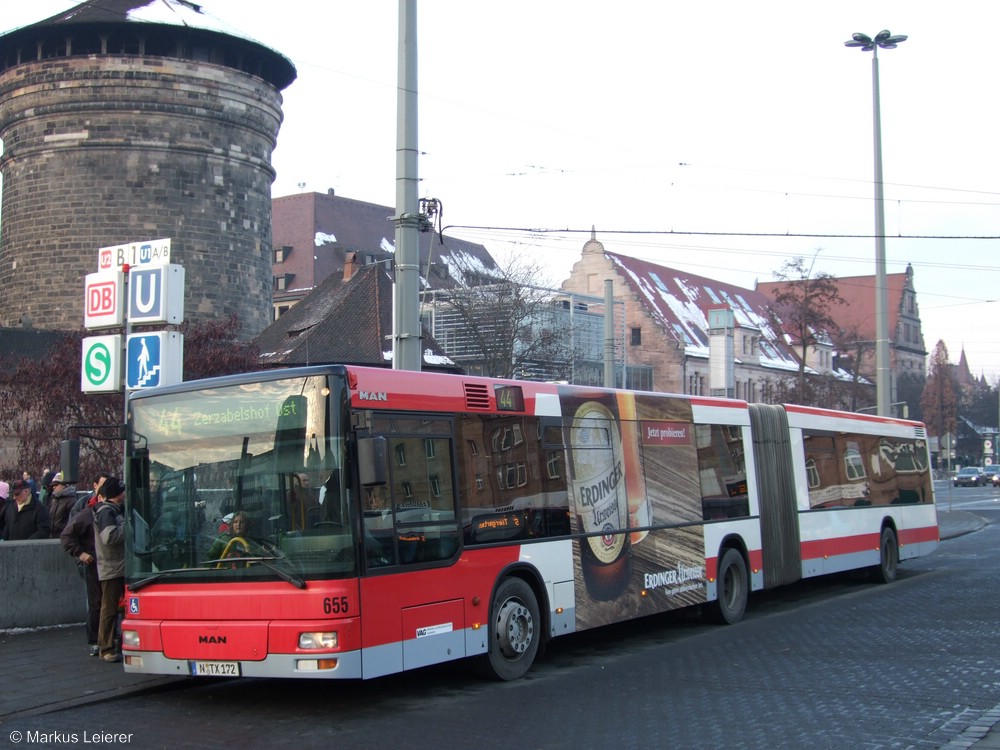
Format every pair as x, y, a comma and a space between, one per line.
240, 482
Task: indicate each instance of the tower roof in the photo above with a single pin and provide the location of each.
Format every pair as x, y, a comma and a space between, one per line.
180, 15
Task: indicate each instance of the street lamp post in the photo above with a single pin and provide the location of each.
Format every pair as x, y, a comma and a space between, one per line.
885, 40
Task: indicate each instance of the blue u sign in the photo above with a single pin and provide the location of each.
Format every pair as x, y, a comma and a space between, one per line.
144, 362
145, 295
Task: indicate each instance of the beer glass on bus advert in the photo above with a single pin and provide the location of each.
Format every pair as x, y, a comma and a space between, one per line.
598, 489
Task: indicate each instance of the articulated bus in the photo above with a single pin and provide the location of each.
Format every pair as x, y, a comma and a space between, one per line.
347, 522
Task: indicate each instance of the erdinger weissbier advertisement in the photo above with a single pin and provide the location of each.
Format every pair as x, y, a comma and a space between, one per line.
633, 464
599, 501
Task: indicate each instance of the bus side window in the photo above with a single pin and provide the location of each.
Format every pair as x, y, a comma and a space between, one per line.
722, 472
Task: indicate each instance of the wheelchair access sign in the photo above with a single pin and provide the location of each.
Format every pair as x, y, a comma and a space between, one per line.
154, 359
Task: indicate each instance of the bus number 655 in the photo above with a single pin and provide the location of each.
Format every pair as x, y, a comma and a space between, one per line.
335, 605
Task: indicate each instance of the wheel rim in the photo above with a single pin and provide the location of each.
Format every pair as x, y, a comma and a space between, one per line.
515, 628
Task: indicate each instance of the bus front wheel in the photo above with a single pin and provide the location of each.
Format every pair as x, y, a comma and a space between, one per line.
732, 588
888, 557
515, 630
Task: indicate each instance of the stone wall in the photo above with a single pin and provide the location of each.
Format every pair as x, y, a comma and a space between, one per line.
40, 585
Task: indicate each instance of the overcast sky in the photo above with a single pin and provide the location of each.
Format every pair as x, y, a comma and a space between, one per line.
665, 116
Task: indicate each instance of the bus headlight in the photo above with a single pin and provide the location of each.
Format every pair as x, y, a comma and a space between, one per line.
318, 640
130, 638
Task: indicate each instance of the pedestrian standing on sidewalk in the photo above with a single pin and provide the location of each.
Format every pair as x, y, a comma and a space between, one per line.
109, 542
78, 540
61, 500
89, 501
24, 518
4, 494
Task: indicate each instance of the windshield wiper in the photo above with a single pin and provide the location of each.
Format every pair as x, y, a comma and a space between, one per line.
293, 579
157, 576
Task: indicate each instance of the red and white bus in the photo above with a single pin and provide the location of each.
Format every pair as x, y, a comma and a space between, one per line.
349, 522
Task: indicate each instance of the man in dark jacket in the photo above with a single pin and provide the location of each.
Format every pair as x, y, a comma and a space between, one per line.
78, 540
109, 541
61, 499
25, 518
89, 501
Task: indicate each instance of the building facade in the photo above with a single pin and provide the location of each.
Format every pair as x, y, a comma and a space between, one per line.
688, 334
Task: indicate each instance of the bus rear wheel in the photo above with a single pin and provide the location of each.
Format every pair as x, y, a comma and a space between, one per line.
515, 630
732, 588
888, 557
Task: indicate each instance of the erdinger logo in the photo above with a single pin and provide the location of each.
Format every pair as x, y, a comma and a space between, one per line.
372, 396
211, 639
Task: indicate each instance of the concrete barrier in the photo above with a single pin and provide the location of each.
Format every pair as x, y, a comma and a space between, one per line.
39, 585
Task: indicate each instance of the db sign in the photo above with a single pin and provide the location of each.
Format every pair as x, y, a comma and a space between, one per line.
104, 303
102, 364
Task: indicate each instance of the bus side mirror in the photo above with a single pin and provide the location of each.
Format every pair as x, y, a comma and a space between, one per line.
372, 465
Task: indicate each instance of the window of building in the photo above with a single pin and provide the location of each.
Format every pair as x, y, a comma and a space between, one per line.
552, 463
853, 464
400, 454
636, 337
511, 475
812, 474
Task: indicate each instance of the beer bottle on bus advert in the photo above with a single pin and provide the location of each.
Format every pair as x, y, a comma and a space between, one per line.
600, 503
639, 515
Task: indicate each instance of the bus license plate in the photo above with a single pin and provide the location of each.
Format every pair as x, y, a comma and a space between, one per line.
215, 669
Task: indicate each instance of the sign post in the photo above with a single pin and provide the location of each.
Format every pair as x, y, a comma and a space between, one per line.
135, 283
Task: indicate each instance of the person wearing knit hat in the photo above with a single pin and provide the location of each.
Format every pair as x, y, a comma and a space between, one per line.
109, 542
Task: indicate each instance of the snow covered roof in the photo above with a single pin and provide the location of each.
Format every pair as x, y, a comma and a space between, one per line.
181, 14
679, 301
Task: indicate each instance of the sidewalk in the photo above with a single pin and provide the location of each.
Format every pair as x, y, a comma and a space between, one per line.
49, 670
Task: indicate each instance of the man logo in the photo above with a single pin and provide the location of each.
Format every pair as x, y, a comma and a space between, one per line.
373, 396
211, 639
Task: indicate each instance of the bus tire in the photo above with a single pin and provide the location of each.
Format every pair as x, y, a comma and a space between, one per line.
515, 631
732, 588
888, 557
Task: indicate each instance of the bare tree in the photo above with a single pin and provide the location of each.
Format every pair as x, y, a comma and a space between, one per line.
41, 399
510, 326
853, 349
939, 401
803, 304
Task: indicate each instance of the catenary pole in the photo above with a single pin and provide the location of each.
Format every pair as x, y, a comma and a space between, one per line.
406, 346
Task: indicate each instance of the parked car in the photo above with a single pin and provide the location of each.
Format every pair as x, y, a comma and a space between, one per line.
991, 474
970, 476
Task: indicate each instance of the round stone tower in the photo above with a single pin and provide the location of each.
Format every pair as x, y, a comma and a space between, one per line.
132, 120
